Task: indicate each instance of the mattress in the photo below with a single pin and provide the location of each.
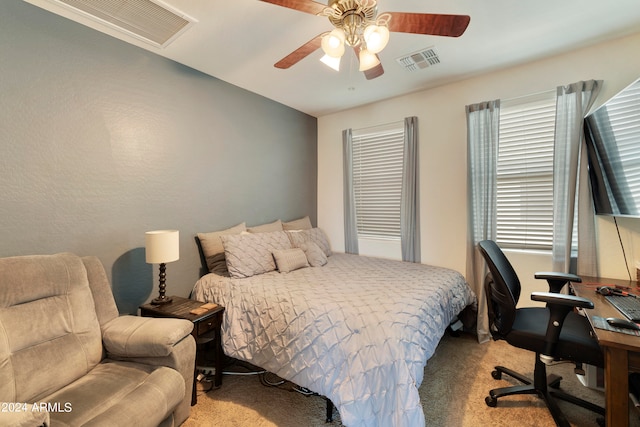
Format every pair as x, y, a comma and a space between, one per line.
358, 330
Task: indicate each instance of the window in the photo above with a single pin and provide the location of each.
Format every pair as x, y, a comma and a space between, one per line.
377, 179
525, 172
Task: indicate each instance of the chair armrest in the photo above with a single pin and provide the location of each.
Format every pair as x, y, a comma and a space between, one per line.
571, 301
183, 360
133, 336
557, 280
14, 414
559, 305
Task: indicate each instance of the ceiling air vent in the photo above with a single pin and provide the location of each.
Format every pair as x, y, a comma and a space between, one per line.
419, 60
150, 21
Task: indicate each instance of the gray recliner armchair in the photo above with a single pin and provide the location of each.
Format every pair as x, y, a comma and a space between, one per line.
67, 358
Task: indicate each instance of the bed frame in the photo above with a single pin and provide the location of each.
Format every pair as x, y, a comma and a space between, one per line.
453, 329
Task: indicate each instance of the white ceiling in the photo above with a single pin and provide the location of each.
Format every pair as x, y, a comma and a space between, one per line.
238, 41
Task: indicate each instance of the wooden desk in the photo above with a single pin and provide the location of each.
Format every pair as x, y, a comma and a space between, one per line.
621, 351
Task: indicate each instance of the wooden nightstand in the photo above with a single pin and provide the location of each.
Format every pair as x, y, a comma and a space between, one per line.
206, 327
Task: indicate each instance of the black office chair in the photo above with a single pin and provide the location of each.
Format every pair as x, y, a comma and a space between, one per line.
555, 332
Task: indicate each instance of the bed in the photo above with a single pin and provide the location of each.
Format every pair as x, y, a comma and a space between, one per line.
357, 330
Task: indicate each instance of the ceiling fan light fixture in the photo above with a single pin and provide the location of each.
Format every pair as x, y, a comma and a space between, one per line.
376, 37
331, 61
358, 25
368, 60
333, 43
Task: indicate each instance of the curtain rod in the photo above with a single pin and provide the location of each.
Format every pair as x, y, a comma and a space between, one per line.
531, 95
382, 126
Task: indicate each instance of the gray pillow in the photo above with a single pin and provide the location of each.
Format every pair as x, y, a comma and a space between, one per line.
314, 254
290, 259
315, 235
251, 254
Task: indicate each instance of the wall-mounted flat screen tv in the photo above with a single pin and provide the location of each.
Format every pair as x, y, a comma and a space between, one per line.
612, 135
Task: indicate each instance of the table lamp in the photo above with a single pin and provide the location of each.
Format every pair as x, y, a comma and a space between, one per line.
161, 247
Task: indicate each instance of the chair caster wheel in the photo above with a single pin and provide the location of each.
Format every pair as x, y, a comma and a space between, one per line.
497, 375
491, 402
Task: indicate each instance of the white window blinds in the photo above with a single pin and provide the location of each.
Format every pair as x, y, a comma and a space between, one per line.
525, 172
377, 179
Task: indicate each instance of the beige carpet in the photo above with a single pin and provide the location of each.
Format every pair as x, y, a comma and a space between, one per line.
456, 381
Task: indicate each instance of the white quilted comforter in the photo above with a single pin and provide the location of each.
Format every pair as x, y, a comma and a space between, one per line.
358, 330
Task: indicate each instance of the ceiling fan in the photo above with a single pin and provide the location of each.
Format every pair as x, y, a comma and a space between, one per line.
358, 25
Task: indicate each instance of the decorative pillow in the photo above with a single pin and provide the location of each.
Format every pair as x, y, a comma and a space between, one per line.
315, 255
298, 224
315, 235
290, 259
251, 254
213, 250
266, 228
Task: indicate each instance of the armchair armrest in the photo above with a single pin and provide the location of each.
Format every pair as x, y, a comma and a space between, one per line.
559, 305
181, 358
557, 280
14, 414
133, 336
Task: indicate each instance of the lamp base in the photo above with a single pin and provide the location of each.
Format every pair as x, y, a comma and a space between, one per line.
161, 300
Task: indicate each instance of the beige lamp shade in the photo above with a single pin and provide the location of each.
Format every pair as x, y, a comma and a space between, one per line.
162, 246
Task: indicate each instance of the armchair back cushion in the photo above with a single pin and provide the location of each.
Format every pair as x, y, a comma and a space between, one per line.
48, 324
105, 304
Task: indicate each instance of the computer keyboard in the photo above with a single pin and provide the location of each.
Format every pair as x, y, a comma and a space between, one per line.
627, 306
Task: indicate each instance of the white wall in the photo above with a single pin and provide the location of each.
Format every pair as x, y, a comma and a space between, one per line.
442, 133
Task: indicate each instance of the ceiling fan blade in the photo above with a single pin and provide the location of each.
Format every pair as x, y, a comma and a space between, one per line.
428, 23
307, 6
300, 53
371, 73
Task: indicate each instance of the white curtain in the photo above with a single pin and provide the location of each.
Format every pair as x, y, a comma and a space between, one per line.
350, 226
483, 122
410, 201
570, 179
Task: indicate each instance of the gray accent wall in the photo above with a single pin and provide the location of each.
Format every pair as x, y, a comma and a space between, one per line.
101, 141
